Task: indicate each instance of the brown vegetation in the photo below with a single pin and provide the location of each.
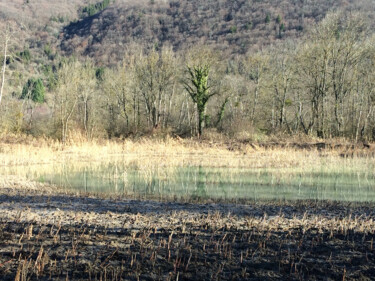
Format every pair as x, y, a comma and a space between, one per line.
234, 27
319, 85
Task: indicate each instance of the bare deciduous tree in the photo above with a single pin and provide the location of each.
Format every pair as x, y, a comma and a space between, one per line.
6, 39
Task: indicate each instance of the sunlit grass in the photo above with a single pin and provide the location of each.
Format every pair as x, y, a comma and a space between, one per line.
146, 155
172, 152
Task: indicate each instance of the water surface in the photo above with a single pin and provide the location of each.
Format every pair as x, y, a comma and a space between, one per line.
198, 182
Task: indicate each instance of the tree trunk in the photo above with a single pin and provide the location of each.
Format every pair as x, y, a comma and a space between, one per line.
201, 118
4, 67
256, 93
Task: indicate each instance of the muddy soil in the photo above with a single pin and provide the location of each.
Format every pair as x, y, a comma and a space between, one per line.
66, 237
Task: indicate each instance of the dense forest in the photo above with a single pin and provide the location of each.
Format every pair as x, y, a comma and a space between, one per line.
241, 68
234, 27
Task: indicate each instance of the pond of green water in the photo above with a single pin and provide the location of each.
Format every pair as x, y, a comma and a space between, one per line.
224, 183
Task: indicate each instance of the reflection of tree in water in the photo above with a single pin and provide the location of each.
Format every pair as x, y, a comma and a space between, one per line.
150, 186
223, 189
200, 191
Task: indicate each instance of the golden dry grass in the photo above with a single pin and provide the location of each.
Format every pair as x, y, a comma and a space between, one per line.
150, 153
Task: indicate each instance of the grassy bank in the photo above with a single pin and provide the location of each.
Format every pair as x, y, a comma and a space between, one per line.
168, 151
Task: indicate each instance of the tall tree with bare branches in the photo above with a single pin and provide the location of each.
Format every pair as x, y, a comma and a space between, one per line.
5, 55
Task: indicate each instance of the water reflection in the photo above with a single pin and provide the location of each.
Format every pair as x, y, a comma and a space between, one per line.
201, 183
225, 183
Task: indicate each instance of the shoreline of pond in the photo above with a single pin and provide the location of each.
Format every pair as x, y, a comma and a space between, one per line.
46, 233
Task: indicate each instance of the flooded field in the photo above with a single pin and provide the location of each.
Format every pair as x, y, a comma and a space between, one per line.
343, 180
249, 214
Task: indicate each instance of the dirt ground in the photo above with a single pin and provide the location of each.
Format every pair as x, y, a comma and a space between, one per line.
52, 236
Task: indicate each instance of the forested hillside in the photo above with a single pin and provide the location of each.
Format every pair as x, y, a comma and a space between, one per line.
102, 29
37, 11
245, 69
233, 26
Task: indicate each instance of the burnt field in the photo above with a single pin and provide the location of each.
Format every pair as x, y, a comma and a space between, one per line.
45, 252
61, 237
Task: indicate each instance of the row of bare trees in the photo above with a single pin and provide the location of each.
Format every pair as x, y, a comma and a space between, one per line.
322, 86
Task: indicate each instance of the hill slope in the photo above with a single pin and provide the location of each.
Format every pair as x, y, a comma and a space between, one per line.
34, 14
232, 25
35, 23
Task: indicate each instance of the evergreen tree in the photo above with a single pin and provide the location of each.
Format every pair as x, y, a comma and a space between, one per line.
25, 56
99, 73
267, 19
34, 90
278, 19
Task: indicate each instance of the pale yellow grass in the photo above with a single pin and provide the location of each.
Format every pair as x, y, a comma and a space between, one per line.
151, 155
168, 152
